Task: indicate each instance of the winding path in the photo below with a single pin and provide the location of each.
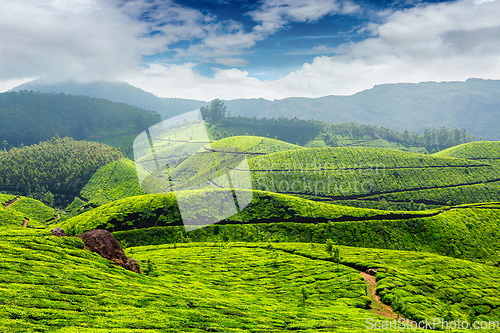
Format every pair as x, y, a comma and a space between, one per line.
10, 203
377, 306
25, 222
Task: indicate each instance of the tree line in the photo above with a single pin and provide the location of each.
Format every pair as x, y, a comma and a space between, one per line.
301, 131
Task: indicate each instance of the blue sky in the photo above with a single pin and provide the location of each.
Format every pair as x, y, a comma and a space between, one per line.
249, 49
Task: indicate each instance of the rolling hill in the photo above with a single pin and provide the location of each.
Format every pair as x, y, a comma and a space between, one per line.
472, 104
266, 268
27, 118
52, 284
121, 92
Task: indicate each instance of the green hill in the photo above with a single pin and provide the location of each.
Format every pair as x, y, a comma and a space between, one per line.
15, 211
28, 118
113, 181
370, 175
459, 232
52, 284
254, 145
485, 151
161, 209
59, 166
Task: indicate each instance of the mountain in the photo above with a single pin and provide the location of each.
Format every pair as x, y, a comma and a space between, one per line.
27, 117
117, 92
473, 105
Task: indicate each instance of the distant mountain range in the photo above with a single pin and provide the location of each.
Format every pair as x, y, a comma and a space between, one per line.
473, 104
117, 92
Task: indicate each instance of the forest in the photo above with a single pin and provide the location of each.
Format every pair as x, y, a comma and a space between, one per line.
29, 117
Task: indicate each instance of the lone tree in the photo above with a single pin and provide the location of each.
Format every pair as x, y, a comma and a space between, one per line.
334, 251
215, 112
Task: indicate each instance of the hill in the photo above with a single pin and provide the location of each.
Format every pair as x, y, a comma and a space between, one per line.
488, 152
364, 177
286, 286
472, 104
254, 145
113, 181
467, 231
16, 212
28, 118
317, 134
60, 166
121, 92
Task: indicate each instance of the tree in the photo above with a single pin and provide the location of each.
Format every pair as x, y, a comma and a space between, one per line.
334, 251
215, 112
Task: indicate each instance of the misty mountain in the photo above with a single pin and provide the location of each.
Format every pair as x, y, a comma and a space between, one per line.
28, 117
117, 92
473, 105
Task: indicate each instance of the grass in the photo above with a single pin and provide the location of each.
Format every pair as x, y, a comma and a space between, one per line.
50, 284
202, 205
421, 285
372, 174
479, 150
255, 144
35, 211
113, 181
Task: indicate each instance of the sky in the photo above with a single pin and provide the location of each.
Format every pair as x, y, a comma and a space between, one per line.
229, 49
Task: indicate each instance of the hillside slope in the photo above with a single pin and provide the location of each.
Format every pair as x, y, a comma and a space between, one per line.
28, 118
117, 92
472, 104
61, 166
51, 284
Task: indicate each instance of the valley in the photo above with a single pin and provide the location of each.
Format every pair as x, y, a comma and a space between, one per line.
337, 226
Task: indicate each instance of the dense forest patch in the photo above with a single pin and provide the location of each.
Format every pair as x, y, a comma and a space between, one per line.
60, 166
28, 117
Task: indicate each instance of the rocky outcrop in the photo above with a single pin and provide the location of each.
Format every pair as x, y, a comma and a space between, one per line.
105, 244
58, 232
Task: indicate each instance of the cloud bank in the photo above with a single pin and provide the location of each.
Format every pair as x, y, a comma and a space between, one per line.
89, 40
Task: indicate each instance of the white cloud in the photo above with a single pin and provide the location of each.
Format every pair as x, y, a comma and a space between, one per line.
97, 39
274, 15
438, 42
237, 62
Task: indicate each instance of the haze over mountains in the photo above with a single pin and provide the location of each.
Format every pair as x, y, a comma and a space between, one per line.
473, 104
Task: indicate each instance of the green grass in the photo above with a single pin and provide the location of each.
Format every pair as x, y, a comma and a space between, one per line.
50, 284
35, 211
486, 151
161, 209
113, 181
371, 174
5, 199
467, 233
421, 285
255, 144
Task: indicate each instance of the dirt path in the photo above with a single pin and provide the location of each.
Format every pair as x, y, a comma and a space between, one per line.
377, 306
10, 203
